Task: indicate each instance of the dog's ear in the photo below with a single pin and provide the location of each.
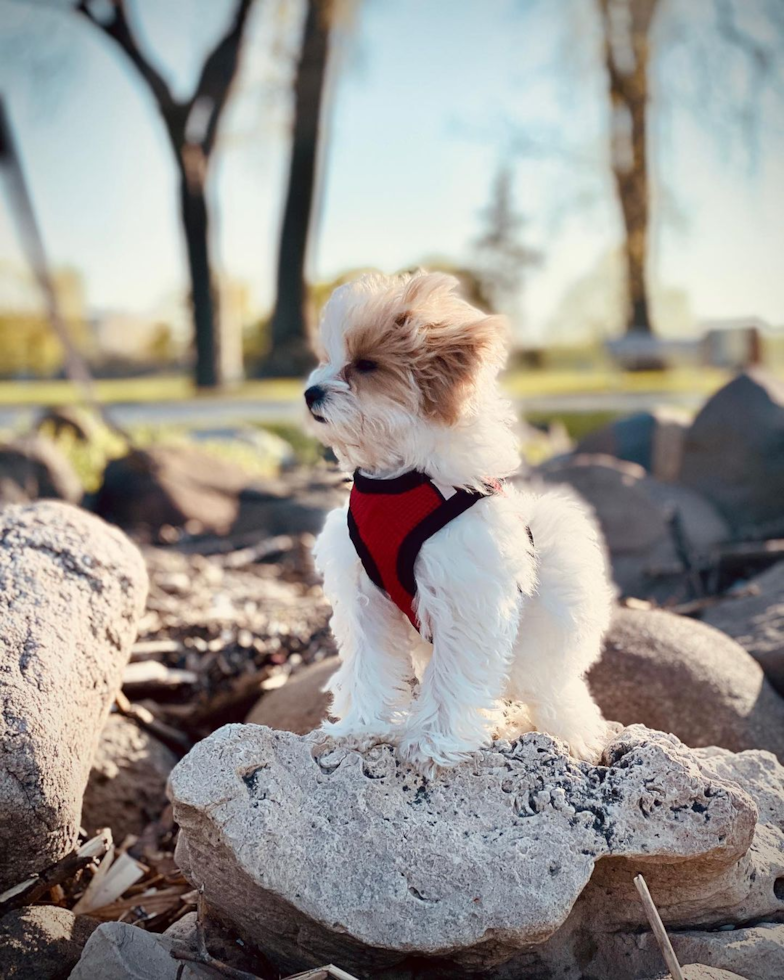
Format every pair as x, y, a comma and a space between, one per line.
456, 357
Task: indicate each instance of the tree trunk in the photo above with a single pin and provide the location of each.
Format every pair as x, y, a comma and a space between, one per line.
195, 223
291, 326
627, 27
633, 193
192, 154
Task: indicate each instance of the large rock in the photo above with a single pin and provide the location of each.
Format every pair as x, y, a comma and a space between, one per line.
71, 591
646, 523
734, 454
756, 621
300, 705
184, 486
171, 485
33, 467
653, 440
42, 942
317, 853
117, 951
127, 784
677, 675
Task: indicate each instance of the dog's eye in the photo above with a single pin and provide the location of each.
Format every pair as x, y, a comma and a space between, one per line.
364, 365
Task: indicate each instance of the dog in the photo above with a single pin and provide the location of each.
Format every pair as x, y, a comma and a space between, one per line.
452, 591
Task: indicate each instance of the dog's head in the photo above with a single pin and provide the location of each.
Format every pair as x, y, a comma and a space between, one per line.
399, 355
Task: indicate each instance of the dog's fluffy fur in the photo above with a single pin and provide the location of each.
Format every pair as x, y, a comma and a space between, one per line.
408, 377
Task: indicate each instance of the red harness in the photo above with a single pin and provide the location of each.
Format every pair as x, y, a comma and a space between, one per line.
390, 520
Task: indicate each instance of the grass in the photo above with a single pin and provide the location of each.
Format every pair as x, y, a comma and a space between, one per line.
159, 388
518, 383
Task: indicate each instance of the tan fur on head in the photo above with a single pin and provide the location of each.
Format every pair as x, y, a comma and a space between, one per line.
423, 332
401, 352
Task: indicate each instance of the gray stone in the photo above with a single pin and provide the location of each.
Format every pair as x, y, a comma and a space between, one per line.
733, 454
183, 485
42, 942
117, 951
653, 440
127, 784
756, 621
317, 853
33, 467
678, 675
71, 591
645, 522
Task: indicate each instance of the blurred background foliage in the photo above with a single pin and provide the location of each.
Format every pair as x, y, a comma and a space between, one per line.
199, 176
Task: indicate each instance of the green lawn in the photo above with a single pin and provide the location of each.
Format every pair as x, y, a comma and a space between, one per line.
518, 383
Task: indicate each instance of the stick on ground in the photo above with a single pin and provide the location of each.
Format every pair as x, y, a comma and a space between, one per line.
657, 926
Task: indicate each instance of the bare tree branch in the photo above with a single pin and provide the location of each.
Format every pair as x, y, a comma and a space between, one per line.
218, 73
119, 30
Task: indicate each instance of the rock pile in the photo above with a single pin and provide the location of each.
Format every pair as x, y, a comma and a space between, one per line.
183, 486
672, 499
646, 524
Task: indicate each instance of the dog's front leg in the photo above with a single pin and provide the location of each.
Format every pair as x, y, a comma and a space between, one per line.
373, 684
372, 687
473, 627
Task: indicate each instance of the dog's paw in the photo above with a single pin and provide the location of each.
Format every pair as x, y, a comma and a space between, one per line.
428, 752
354, 734
588, 747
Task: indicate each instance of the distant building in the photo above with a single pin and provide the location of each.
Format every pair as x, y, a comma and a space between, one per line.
735, 342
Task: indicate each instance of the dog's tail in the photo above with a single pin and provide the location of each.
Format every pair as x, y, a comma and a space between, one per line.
572, 559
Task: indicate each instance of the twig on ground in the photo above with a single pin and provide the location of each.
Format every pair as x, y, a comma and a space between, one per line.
328, 972
145, 719
30, 891
657, 927
203, 956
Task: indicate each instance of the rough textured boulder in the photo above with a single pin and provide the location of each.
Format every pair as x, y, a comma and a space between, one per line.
34, 467
117, 951
734, 454
300, 705
42, 942
182, 485
677, 675
127, 784
318, 853
756, 621
71, 590
642, 520
653, 440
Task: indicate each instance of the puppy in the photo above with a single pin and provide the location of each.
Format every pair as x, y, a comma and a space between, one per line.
451, 590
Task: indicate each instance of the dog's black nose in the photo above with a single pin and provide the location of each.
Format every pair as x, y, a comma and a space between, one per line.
314, 395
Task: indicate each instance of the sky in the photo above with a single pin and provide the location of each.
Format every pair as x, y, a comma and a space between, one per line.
429, 97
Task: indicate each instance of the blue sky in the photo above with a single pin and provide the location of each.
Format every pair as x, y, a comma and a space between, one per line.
428, 97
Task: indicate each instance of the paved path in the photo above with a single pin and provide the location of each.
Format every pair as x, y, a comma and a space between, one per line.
212, 411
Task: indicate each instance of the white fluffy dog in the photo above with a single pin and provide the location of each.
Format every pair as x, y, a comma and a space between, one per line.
498, 594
